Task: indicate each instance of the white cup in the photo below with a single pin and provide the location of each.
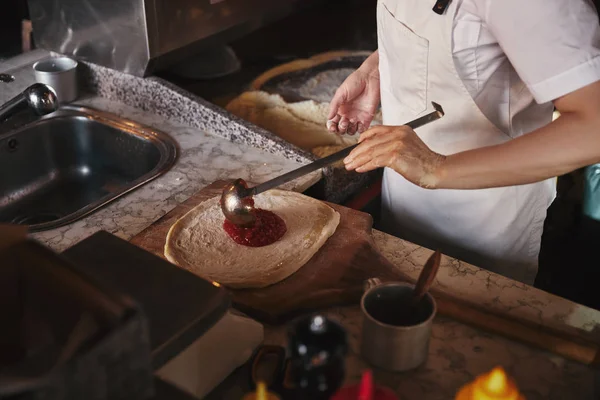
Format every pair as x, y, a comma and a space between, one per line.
60, 73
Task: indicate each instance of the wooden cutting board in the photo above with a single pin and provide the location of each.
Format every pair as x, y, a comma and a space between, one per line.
335, 275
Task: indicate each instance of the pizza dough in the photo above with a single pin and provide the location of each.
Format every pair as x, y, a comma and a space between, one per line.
198, 243
303, 123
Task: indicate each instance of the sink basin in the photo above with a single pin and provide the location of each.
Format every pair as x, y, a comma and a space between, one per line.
66, 165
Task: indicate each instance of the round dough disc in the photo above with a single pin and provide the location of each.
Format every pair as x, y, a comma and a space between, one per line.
198, 243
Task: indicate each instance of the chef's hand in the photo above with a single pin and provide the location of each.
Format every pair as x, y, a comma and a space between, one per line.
355, 102
399, 148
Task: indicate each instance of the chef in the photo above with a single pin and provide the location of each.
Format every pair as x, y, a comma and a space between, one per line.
476, 183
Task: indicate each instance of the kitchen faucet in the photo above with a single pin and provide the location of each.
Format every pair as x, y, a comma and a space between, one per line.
38, 97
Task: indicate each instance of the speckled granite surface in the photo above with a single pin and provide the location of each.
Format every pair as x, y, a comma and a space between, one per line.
161, 98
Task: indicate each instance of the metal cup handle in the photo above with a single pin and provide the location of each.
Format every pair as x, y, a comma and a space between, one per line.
371, 283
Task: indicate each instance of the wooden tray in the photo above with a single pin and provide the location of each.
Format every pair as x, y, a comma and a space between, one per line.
335, 275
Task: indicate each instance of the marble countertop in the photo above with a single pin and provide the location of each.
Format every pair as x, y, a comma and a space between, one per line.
215, 145
458, 353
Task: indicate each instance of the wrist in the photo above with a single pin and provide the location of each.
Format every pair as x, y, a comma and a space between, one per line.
370, 66
434, 177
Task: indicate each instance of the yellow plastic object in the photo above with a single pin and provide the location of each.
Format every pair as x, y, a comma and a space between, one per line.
261, 393
495, 385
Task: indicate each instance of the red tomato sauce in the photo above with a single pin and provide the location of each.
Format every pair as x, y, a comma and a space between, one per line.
267, 229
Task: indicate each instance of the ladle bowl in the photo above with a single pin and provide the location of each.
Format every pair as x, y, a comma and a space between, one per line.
237, 205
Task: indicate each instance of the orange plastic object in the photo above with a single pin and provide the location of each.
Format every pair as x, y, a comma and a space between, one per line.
494, 385
261, 393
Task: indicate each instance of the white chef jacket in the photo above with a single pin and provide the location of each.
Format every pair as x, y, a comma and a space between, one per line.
507, 63
495, 66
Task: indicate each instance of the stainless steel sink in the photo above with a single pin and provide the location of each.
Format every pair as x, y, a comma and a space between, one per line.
66, 165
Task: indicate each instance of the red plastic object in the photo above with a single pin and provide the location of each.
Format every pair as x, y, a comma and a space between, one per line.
363, 198
365, 390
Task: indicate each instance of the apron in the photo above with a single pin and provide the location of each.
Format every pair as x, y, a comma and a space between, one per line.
498, 229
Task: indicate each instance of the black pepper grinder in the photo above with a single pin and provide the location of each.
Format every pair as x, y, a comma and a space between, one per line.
317, 347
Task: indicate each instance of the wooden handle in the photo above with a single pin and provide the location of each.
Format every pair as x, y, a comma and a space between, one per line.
426, 277
586, 353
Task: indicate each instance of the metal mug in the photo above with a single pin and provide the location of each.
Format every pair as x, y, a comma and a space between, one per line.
393, 339
60, 73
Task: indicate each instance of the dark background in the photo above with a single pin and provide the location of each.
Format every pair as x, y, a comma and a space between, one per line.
11, 14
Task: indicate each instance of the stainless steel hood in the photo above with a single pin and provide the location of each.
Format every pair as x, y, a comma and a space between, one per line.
140, 36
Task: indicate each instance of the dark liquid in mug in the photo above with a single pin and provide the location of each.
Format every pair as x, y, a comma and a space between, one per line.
390, 305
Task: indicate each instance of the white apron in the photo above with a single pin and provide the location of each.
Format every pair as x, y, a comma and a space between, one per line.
497, 229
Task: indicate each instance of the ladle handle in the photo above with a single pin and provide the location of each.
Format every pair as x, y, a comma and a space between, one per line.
332, 158
306, 169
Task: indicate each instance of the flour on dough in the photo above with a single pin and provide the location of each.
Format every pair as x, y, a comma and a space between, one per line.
302, 123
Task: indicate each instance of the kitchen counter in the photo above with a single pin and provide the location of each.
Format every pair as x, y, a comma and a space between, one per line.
215, 145
458, 353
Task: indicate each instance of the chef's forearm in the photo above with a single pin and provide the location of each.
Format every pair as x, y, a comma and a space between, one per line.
570, 142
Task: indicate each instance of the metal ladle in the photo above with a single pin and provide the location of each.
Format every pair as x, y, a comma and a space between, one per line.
241, 212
